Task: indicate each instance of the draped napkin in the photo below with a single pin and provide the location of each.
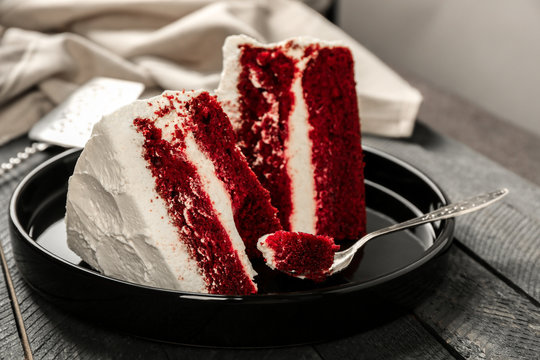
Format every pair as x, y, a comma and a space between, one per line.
50, 47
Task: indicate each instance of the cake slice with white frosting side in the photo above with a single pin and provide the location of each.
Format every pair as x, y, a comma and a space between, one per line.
161, 195
294, 108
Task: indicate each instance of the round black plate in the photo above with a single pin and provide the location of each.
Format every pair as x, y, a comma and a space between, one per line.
391, 274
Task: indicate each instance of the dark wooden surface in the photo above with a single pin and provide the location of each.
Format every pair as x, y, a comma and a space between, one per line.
510, 146
483, 308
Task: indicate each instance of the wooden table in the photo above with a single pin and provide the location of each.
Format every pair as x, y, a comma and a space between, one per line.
483, 309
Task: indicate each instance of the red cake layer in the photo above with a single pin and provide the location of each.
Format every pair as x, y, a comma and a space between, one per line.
202, 232
253, 214
263, 133
302, 254
330, 95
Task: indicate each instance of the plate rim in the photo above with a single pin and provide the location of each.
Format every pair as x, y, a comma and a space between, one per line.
440, 242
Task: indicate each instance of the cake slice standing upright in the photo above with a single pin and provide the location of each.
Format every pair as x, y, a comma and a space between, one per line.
162, 196
294, 108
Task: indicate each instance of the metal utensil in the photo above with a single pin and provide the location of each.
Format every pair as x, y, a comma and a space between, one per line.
342, 259
70, 123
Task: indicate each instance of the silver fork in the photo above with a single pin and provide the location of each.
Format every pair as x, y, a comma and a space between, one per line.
342, 259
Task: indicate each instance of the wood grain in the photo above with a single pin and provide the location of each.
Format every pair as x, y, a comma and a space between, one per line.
479, 315
10, 344
404, 338
509, 242
10, 337
55, 335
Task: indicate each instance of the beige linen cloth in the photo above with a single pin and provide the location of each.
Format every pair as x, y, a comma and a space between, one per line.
50, 47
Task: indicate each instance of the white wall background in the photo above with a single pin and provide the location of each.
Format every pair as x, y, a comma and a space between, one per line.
487, 51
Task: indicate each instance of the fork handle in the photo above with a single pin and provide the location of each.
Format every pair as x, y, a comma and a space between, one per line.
449, 211
13, 162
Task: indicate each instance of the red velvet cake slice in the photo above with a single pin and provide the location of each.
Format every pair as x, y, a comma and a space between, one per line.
161, 195
299, 254
293, 106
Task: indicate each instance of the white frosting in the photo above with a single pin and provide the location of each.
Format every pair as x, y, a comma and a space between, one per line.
267, 252
221, 200
115, 219
299, 165
227, 92
298, 146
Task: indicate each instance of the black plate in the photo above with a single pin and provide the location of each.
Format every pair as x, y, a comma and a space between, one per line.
393, 272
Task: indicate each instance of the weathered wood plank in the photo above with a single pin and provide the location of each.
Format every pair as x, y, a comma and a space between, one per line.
518, 258
472, 314
10, 344
403, 338
56, 335
479, 315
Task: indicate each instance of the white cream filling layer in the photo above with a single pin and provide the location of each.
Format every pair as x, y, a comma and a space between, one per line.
299, 164
267, 252
219, 197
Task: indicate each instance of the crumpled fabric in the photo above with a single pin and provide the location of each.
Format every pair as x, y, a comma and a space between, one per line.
50, 47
